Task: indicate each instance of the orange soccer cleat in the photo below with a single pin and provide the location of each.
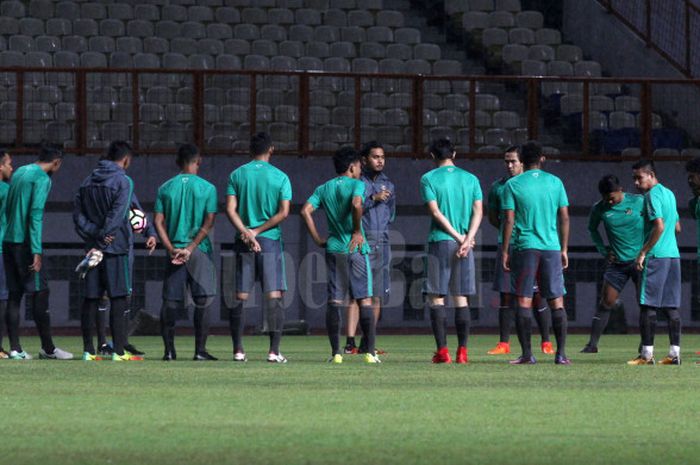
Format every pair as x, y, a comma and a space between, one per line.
501, 348
462, 357
442, 356
547, 348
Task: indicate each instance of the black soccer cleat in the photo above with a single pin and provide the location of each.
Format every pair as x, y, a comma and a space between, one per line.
589, 349
133, 350
105, 349
204, 356
169, 356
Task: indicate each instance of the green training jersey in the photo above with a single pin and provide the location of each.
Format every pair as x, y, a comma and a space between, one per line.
495, 200
335, 197
4, 188
624, 227
536, 197
259, 187
455, 191
185, 200
660, 202
694, 207
24, 210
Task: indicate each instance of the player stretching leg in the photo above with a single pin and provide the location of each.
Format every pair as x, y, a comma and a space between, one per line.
537, 225
257, 202
184, 216
660, 264
347, 252
543, 316
5, 174
453, 197
378, 212
621, 215
22, 251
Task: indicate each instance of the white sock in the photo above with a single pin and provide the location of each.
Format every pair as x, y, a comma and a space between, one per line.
674, 351
647, 351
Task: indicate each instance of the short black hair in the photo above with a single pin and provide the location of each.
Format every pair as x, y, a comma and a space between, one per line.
515, 149
645, 165
49, 153
369, 146
608, 183
4, 151
186, 154
442, 149
260, 143
530, 153
118, 150
344, 157
693, 166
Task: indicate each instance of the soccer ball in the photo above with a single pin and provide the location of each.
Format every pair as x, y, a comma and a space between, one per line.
138, 220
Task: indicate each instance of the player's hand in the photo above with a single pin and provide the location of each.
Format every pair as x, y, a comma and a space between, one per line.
254, 246
505, 261
179, 256
611, 258
36, 263
151, 244
465, 247
321, 242
382, 196
639, 262
108, 240
356, 241
564, 259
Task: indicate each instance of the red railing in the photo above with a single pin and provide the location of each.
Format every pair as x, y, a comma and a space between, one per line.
655, 22
526, 91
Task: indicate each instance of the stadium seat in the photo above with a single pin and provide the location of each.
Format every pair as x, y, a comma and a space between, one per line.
93, 10
571, 53
515, 53
548, 37
476, 20
263, 47
487, 102
75, 44
380, 34
494, 37
571, 103
85, 27
372, 50
151, 113
390, 18
31, 27
631, 152
47, 44
482, 119
497, 136
138, 28
456, 102
530, 19
58, 27
101, 44
342, 50
656, 121
502, 19
690, 153
398, 51
353, 34
319, 115
533, 68
479, 5
254, 16
601, 103
129, 45
397, 116
621, 120
606, 88
665, 153
450, 118
93, 60
280, 16
307, 16
541, 53
327, 34
489, 149
447, 68
587, 68
248, 32
560, 68
627, 103
506, 119
335, 17
597, 121
48, 94
440, 132
512, 6
58, 132
65, 111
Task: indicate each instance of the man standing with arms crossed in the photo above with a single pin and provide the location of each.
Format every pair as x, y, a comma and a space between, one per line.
257, 202
537, 226
378, 211
543, 317
453, 197
22, 251
660, 264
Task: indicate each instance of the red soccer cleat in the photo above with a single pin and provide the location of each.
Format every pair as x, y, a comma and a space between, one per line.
462, 357
547, 348
501, 348
442, 356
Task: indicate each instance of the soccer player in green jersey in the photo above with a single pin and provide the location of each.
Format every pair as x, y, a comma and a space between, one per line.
454, 200
347, 251
543, 317
660, 264
257, 202
621, 215
22, 250
693, 170
184, 216
537, 227
5, 174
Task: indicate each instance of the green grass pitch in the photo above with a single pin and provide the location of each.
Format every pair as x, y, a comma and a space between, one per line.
405, 411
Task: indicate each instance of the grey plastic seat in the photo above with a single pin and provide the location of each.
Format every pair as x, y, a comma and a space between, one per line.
211, 114
533, 68
530, 19
85, 27
381, 34
212, 47
587, 68
498, 136
327, 34
93, 60
362, 18
456, 6
273, 32
178, 112
291, 48
319, 115
120, 111
39, 59
167, 29
487, 102
33, 131
307, 63
151, 113
139, 28
560, 68
65, 111
513, 6
8, 131
392, 65
62, 59
75, 44
129, 45
365, 65
48, 44
397, 116
122, 11
430, 118
115, 131
521, 35
429, 52
246, 32
456, 102
301, 33
256, 62
506, 119
237, 47
280, 16
199, 61
354, 34
541, 53
375, 100
271, 97
571, 103
597, 121
447, 67
11, 25
48, 93
373, 50
21, 43
219, 31
494, 37
38, 111
571, 53
227, 15
397, 51
400, 100
390, 18
502, 19
481, 5
407, 35
324, 98
450, 118
234, 113
433, 102
335, 17
146, 12
101, 44
265, 48
337, 64
58, 27
146, 60
343, 4
194, 30
307, 16
627, 103
161, 95
515, 53
287, 113
200, 13
254, 16
343, 49
520, 136
93, 10
112, 28
601, 103
31, 27
372, 116
58, 132
548, 37
175, 61
475, 21
318, 49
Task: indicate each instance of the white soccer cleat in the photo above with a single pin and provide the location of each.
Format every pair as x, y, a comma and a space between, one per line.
276, 358
58, 354
91, 260
15, 355
240, 357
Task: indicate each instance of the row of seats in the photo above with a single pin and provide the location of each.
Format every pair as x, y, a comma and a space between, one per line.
573, 103
477, 20
462, 6
518, 53
599, 120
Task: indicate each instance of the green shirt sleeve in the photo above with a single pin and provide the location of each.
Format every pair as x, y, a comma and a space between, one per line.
211, 201
593, 223
508, 199
315, 199
40, 191
358, 190
426, 190
563, 199
231, 188
476, 191
652, 206
286, 190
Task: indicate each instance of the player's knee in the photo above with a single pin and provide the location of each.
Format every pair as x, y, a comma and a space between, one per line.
674, 315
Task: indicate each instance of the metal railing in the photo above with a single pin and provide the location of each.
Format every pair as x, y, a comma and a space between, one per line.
671, 27
303, 132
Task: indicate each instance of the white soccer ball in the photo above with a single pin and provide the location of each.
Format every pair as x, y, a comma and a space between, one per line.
138, 220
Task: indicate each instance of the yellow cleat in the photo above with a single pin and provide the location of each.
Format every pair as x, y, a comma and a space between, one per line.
336, 359
502, 348
642, 361
668, 360
369, 358
127, 357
